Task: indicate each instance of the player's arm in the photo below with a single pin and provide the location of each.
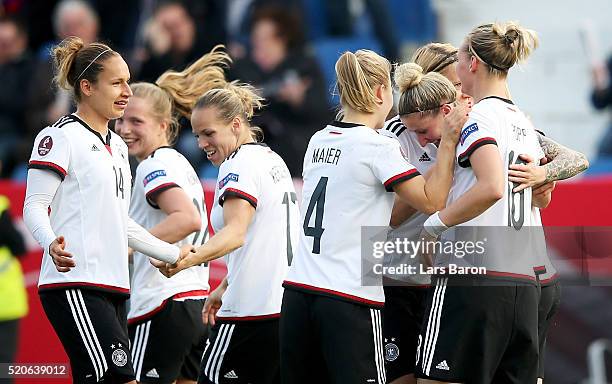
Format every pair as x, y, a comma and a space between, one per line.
429, 194
401, 212
237, 215
141, 240
182, 217
488, 189
542, 195
562, 163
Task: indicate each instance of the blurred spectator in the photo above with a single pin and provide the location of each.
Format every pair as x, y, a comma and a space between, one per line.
289, 79
16, 68
13, 299
601, 98
239, 19
118, 22
172, 41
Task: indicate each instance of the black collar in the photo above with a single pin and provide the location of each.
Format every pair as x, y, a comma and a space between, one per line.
156, 149
84, 124
500, 98
344, 124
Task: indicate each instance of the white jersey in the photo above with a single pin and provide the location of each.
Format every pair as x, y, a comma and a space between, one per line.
90, 207
255, 271
497, 121
165, 168
423, 159
544, 268
349, 170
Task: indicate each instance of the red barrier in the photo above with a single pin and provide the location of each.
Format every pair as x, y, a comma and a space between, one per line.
581, 203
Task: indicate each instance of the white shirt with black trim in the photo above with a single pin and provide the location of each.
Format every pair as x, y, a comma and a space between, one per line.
498, 121
90, 207
423, 158
349, 170
165, 168
256, 270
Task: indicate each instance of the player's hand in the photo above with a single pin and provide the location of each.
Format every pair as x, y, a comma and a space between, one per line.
186, 259
455, 120
61, 258
212, 306
544, 189
427, 248
526, 175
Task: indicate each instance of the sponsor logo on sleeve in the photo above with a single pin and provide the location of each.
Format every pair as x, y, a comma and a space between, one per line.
45, 145
152, 176
467, 131
227, 179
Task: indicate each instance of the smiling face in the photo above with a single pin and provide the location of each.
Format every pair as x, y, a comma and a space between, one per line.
215, 136
140, 129
109, 94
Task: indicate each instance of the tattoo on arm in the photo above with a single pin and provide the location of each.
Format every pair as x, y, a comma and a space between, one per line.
563, 162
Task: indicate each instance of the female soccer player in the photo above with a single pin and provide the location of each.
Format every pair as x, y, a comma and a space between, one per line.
165, 322
255, 218
419, 108
76, 207
331, 325
403, 310
496, 134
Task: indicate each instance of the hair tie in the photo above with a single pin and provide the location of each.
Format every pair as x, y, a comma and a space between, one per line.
89, 65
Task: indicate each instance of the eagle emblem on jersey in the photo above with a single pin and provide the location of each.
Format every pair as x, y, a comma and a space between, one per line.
468, 131
227, 179
45, 145
391, 352
119, 357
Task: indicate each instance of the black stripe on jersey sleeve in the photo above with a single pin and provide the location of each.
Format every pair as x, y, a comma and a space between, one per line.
237, 193
61, 172
464, 158
151, 196
389, 184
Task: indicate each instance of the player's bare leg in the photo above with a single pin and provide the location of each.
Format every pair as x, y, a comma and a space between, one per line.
185, 381
426, 381
406, 379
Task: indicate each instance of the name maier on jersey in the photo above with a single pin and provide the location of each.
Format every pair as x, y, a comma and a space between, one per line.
349, 174
506, 228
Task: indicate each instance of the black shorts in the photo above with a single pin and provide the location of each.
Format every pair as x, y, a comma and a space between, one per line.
327, 340
550, 299
480, 330
402, 318
242, 352
170, 344
92, 326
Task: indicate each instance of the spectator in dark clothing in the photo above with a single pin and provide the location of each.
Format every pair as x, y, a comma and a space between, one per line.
16, 69
291, 82
172, 41
601, 97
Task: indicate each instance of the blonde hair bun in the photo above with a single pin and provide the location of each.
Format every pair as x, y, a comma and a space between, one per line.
407, 76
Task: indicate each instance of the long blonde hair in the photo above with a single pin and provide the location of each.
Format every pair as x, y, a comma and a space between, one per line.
501, 45
234, 99
423, 93
357, 76
174, 94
